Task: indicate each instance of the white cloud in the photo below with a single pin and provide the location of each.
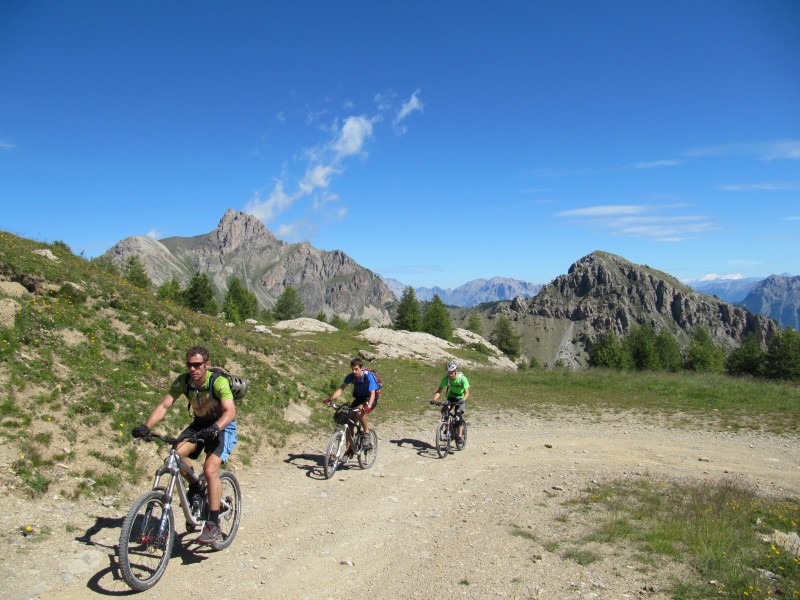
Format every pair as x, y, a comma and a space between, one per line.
154, 234
413, 104
775, 150
6, 145
656, 164
606, 210
324, 162
355, 132
643, 221
768, 187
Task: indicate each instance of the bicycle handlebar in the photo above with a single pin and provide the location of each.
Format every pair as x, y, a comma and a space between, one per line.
445, 403
334, 406
172, 441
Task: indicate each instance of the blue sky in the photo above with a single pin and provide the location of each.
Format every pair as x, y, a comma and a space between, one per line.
433, 142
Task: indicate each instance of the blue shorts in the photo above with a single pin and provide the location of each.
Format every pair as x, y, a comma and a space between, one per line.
222, 446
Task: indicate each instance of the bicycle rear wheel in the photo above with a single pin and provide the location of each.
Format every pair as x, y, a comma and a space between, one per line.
443, 439
143, 552
230, 509
366, 457
334, 453
462, 443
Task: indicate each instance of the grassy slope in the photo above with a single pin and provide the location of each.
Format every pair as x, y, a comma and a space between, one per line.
90, 355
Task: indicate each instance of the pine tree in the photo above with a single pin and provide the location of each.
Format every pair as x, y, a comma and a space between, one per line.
474, 323
436, 319
170, 290
135, 273
288, 306
702, 354
606, 351
240, 303
640, 346
669, 353
783, 355
199, 295
504, 338
747, 359
408, 317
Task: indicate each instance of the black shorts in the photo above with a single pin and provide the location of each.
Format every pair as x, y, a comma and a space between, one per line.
359, 401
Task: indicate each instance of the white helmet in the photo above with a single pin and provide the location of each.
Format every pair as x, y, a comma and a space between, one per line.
451, 366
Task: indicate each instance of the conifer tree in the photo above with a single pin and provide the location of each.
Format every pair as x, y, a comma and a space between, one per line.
408, 317
474, 323
136, 274
240, 303
504, 338
288, 306
199, 295
436, 319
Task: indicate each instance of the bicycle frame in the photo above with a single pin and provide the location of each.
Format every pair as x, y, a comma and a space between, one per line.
344, 433
172, 466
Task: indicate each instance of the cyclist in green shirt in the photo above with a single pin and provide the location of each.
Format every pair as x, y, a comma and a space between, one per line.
214, 427
457, 386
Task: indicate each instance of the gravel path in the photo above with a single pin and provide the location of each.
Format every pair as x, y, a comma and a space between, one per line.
474, 525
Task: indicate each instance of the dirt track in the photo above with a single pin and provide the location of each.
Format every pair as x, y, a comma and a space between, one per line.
414, 526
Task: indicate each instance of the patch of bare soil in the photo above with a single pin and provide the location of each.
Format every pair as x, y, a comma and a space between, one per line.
491, 521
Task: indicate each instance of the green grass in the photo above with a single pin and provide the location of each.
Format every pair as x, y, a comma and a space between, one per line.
716, 529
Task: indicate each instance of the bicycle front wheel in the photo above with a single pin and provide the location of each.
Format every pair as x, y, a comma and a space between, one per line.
230, 509
366, 457
334, 453
443, 439
145, 546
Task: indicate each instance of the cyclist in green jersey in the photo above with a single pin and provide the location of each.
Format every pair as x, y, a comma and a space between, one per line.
214, 428
457, 386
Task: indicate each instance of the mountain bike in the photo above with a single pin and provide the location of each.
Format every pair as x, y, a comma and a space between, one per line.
148, 531
447, 430
337, 452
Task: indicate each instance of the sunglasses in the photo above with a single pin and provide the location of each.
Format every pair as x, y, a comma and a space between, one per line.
195, 365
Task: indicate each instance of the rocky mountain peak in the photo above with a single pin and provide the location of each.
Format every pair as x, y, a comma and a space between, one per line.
603, 292
235, 229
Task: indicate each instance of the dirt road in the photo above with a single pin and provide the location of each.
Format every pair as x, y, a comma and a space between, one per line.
413, 526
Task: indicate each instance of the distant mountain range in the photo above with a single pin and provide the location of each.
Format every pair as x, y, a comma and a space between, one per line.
473, 292
334, 284
776, 297
729, 290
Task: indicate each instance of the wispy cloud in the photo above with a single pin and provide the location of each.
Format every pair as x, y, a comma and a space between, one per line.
774, 150
346, 138
154, 234
656, 164
413, 104
643, 221
7, 146
768, 187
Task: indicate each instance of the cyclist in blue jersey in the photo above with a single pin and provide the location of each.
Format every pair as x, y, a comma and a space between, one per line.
364, 387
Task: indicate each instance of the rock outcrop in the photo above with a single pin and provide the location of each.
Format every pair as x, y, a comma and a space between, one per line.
603, 292
241, 246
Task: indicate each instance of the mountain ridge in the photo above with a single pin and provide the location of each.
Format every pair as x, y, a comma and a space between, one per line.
241, 246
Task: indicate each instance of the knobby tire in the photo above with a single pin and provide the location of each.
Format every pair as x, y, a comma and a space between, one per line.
333, 455
143, 555
366, 458
443, 439
463, 443
230, 509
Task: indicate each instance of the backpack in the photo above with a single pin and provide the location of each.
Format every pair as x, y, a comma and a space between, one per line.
378, 380
238, 384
